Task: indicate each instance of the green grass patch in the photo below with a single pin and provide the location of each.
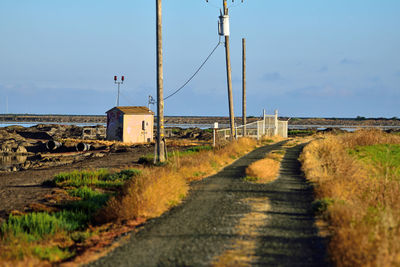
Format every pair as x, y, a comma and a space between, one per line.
300, 132
251, 179
38, 226
149, 159
81, 236
76, 214
214, 165
198, 174
101, 178
267, 141
280, 152
91, 200
384, 159
196, 149
34, 230
320, 206
51, 254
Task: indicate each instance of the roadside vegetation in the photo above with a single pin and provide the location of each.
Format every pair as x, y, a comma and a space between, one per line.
51, 232
357, 186
265, 170
304, 132
158, 189
92, 207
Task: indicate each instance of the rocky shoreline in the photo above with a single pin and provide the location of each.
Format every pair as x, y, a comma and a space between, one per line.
42, 145
23, 148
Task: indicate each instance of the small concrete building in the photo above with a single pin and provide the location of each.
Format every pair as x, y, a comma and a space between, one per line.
130, 124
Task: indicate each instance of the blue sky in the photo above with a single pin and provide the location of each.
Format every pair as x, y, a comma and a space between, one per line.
306, 58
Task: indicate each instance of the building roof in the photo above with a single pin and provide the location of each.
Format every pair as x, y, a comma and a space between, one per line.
134, 110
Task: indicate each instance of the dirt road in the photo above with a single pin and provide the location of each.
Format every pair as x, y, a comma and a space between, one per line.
229, 222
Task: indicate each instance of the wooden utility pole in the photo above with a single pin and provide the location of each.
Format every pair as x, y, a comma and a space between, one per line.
244, 85
160, 145
229, 77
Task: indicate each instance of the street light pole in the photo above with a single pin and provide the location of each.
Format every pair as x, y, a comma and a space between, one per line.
119, 83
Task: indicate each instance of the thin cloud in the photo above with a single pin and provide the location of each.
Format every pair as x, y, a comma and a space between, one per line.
323, 69
375, 79
322, 92
347, 61
272, 77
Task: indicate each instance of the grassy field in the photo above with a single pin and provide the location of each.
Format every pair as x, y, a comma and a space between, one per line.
93, 206
357, 185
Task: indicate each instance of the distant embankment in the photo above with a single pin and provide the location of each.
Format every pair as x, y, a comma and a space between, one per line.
28, 118
100, 119
202, 120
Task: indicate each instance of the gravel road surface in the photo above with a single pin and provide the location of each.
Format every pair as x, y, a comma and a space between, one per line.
229, 222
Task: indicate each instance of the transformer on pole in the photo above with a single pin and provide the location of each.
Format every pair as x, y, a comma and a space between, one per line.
224, 30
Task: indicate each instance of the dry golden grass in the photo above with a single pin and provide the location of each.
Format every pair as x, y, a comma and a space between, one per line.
97, 142
274, 139
27, 262
160, 188
265, 170
364, 217
170, 142
186, 142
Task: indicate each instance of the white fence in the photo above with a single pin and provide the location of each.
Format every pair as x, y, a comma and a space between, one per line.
269, 126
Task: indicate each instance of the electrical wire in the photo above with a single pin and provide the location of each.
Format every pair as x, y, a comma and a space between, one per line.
196, 72
209, 3
127, 98
235, 5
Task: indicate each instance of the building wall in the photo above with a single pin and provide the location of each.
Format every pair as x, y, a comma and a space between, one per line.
133, 128
115, 123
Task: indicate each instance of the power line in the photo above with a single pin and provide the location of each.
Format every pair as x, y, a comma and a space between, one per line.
235, 5
196, 72
213, 5
127, 98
